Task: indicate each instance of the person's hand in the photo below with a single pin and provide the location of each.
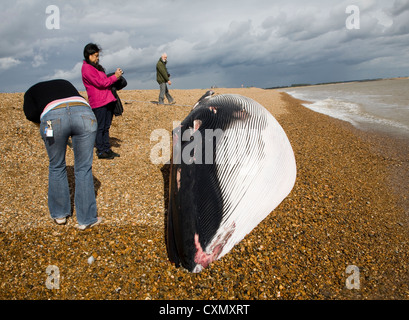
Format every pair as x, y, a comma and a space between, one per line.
169, 83
118, 73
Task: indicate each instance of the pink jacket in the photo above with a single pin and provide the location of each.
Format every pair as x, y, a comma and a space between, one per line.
98, 86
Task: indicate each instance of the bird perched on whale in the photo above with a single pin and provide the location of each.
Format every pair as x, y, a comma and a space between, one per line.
232, 165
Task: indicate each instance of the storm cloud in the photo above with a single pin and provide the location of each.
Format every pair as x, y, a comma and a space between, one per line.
259, 43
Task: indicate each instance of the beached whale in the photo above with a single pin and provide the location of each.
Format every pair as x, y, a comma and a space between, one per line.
232, 165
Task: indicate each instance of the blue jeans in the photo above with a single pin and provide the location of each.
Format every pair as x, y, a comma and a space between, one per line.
78, 122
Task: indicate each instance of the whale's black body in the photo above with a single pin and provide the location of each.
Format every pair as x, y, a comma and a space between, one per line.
220, 165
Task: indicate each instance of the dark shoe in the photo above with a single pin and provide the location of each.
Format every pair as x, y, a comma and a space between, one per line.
112, 153
105, 155
173, 102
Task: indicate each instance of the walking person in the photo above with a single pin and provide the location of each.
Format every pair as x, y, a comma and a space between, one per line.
98, 86
62, 112
162, 77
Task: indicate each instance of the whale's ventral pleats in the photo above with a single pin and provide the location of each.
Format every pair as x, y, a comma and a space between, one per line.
232, 165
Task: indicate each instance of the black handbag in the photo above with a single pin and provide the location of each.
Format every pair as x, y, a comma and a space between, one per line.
118, 109
118, 85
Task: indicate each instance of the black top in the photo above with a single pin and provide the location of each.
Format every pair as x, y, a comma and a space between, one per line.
41, 94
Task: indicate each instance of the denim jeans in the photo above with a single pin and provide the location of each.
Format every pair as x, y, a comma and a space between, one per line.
79, 123
104, 117
164, 91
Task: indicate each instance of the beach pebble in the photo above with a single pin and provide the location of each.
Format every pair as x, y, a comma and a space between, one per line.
342, 190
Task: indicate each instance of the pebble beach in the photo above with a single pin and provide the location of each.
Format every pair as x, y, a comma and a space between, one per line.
348, 208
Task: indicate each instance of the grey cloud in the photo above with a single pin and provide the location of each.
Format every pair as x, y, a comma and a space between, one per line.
227, 43
399, 6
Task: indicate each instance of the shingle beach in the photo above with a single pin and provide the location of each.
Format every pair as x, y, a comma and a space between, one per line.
348, 208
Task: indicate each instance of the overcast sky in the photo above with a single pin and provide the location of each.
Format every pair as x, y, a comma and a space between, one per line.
262, 43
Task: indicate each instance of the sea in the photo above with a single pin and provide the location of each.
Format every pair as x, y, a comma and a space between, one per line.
379, 105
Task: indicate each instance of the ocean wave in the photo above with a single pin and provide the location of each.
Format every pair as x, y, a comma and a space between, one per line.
351, 112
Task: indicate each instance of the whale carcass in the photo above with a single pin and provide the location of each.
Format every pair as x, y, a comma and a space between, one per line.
232, 165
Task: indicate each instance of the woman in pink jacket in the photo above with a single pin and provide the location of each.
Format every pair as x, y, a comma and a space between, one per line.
100, 97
